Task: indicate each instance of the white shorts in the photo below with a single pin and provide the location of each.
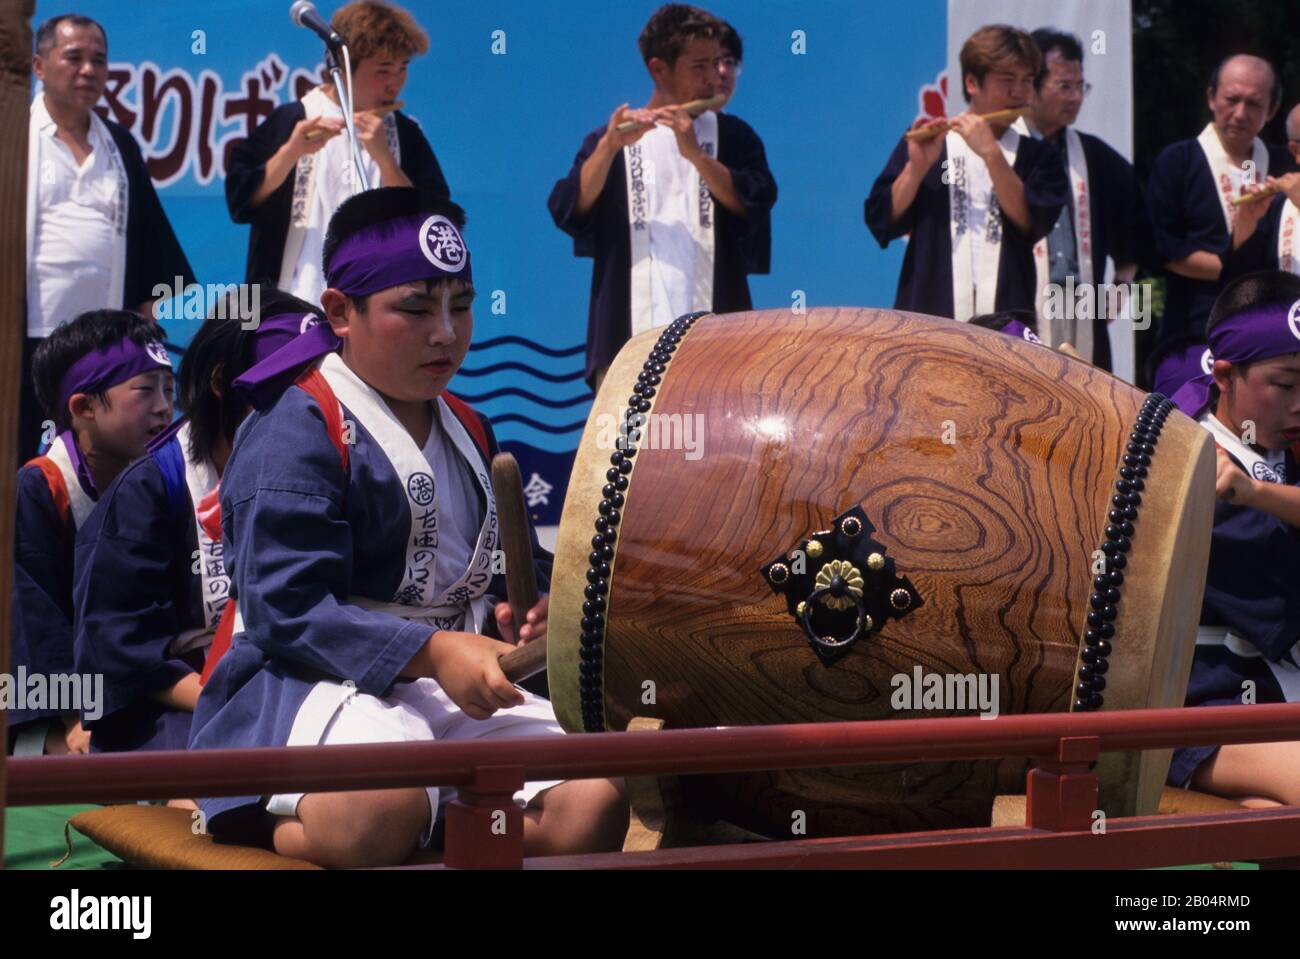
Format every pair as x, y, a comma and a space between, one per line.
413, 712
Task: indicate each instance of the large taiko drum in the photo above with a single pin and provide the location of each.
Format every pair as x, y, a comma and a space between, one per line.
821, 512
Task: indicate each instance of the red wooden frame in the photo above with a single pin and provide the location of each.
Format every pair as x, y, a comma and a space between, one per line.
1061, 786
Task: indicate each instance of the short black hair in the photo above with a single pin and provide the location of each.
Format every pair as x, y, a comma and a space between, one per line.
730, 40
1275, 94
222, 343
673, 26
47, 31
1000, 320
1254, 289
74, 339
1048, 39
1165, 349
372, 207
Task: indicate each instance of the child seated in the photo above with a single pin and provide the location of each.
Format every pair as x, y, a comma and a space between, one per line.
360, 524
105, 381
1246, 647
149, 583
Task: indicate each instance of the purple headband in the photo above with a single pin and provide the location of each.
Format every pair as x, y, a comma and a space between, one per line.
276, 331
1178, 368
1018, 330
1258, 333
282, 346
108, 366
406, 249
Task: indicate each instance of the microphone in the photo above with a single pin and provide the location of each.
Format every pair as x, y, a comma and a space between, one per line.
304, 14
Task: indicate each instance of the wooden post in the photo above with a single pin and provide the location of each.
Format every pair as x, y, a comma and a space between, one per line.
15, 97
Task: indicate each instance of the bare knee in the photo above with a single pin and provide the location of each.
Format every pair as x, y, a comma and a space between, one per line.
355, 830
1254, 771
582, 815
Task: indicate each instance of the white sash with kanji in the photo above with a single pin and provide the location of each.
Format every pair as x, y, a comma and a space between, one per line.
316, 104
1265, 470
1055, 330
702, 224
1221, 168
1287, 261
214, 582
418, 597
974, 287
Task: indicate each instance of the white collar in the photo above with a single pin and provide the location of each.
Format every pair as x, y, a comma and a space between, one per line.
47, 125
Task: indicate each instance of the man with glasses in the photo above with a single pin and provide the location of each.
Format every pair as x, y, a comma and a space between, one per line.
671, 207
1104, 218
975, 201
1193, 183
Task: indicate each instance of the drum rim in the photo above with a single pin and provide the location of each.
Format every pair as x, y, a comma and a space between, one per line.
1172, 538
588, 477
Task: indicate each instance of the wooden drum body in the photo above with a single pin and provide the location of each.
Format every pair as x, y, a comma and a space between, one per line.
982, 471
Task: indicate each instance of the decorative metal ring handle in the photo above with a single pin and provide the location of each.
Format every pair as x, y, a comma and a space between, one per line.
831, 642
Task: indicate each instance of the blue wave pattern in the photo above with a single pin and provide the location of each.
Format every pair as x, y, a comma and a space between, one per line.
534, 394
538, 403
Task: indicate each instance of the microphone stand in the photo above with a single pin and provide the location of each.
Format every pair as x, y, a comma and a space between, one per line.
345, 104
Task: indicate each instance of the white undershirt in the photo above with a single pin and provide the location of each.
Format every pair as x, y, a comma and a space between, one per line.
334, 176
670, 182
72, 251
459, 515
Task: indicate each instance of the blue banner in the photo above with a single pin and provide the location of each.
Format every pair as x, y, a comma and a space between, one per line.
505, 95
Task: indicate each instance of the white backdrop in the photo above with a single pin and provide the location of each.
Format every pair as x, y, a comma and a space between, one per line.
1100, 25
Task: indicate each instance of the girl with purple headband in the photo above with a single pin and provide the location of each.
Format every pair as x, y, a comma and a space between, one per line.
360, 524
105, 381
1248, 643
150, 584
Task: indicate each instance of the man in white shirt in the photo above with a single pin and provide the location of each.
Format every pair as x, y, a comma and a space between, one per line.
97, 236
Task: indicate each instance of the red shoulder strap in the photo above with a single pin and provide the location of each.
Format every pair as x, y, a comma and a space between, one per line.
318, 388
469, 419
58, 487
220, 641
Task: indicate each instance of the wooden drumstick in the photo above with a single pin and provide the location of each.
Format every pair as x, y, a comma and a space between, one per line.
939, 129
694, 108
1263, 194
384, 110
521, 581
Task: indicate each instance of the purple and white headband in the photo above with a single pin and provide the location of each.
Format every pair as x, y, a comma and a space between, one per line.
110, 365
403, 250
282, 345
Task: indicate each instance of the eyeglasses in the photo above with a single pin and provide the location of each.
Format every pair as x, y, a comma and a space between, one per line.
1083, 89
722, 65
